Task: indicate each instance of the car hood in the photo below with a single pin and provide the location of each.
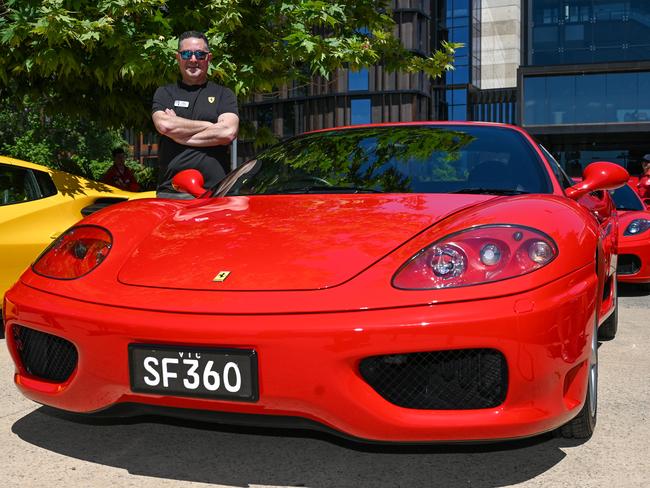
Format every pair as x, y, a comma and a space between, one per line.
280, 242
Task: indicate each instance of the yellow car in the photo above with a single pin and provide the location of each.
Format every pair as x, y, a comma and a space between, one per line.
36, 205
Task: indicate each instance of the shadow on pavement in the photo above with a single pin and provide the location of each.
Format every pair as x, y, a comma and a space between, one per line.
633, 290
236, 456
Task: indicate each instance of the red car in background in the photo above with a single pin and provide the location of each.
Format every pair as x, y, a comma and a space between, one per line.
634, 237
402, 282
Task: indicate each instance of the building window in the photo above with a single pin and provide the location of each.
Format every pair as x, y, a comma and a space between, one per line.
587, 98
457, 104
358, 80
360, 111
588, 31
265, 116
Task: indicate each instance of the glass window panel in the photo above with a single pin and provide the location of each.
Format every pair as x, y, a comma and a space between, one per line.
605, 30
458, 8
16, 185
607, 10
458, 112
449, 96
638, 53
459, 22
288, 120
575, 35
591, 96
535, 101
460, 97
459, 76
265, 116
545, 57
545, 37
561, 92
576, 56
459, 35
358, 80
546, 11
360, 111
644, 97
604, 54
622, 97
609, 34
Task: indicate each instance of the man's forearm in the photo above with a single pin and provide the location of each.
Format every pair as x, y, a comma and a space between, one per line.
218, 134
178, 128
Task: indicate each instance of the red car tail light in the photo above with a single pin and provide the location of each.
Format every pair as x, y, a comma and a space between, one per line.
75, 253
475, 256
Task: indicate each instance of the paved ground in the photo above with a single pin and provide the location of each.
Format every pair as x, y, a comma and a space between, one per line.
41, 449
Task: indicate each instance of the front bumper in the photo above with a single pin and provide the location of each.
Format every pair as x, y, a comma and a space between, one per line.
634, 260
309, 363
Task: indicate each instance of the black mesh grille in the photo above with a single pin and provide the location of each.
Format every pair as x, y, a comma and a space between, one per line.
45, 355
628, 264
459, 379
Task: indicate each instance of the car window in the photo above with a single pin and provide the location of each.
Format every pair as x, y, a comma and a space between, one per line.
45, 184
399, 159
625, 198
19, 185
562, 177
15, 185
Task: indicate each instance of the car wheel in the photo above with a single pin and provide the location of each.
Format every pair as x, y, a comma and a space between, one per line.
607, 331
582, 426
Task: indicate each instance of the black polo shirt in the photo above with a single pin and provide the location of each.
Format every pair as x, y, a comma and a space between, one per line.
197, 102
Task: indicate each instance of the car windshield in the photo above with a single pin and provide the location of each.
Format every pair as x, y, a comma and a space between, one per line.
395, 159
625, 198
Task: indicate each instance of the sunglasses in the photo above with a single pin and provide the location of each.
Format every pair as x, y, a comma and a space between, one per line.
200, 55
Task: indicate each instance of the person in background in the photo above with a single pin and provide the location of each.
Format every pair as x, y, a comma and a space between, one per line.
119, 175
642, 183
196, 118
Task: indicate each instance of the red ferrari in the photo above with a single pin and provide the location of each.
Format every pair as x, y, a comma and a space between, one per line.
633, 237
404, 282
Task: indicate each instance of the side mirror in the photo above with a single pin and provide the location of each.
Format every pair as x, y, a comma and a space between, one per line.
189, 181
599, 176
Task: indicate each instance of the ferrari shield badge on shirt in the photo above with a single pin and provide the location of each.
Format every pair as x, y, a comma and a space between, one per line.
221, 276
211, 99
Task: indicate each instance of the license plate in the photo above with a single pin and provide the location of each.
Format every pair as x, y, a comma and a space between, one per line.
229, 374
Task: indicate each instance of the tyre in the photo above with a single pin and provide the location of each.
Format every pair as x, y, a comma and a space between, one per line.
582, 425
607, 331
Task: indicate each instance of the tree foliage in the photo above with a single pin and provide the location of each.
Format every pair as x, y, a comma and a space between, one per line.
78, 146
104, 58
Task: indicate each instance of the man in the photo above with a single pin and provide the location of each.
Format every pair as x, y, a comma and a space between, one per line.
197, 119
643, 183
119, 175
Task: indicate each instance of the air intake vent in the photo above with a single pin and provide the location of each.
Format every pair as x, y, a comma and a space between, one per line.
628, 264
45, 356
460, 379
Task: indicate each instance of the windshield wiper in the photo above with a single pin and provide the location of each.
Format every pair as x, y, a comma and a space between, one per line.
490, 191
330, 189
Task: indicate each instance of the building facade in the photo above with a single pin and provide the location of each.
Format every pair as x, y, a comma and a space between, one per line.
584, 83
482, 85
574, 73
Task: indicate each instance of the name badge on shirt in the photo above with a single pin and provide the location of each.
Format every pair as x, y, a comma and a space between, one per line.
181, 103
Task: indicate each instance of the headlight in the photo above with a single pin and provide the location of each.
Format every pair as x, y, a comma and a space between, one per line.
475, 256
636, 227
75, 253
